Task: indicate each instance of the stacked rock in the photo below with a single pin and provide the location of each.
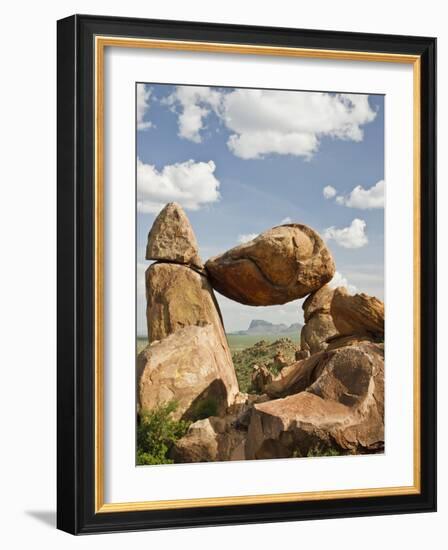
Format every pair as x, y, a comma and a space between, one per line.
188, 358
331, 397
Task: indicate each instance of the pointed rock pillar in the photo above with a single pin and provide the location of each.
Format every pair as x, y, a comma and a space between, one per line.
188, 358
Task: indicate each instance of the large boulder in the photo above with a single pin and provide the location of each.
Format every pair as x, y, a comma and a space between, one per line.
176, 297
357, 315
319, 324
341, 410
280, 265
193, 367
172, 238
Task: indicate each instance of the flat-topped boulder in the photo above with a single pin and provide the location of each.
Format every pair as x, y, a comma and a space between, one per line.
280, 265
172, 238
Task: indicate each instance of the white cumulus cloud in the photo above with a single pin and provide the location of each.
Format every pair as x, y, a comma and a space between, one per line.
329, 192
194, 103
263, 122
191, 184
247, 237
143, 98
353, 236
286, 220
365, 198
340, 280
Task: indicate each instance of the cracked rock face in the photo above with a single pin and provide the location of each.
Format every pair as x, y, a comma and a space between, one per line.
319, 324
177, 296
357, 315
190, 366
280, 265
172, 238
334, 400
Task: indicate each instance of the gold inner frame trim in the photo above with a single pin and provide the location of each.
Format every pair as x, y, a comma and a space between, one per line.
101, 42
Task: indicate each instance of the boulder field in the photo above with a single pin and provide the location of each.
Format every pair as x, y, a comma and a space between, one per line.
328, 400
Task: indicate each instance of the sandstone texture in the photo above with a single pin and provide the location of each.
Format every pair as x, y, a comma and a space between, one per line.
209, 440
359, 314
315, 333
172, 238
176, 297
319, 324
280, 265
192, 367
342, 408
318, 302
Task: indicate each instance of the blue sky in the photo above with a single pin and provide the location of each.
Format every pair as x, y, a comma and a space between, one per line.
242, 161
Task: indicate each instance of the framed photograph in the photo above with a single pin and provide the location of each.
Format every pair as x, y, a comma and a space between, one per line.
246, 274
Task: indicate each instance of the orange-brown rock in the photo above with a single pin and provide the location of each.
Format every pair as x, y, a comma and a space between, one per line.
199, 444
261, 376
280, 265
358, 314
176, 297
190, 366
339, 341
319, 324
210, 440
318, 302
172, 238
342, 409
316, 331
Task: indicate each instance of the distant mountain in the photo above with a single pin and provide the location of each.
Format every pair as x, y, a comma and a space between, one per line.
258, 326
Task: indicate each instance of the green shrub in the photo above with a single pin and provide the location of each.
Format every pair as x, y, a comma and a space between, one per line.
317, 450
205, 408
156, 434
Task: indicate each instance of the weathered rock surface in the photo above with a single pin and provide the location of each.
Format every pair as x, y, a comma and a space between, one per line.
261, 376
199, 444
172, 238
209, 440
342, 408
280, 265
302, 354
358, 314
176, 297
318, 302
319, 324
338, 341
191, 366
316, 331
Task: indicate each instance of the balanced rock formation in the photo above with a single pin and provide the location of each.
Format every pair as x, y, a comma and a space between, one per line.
280, 265
172, 238
357, 315
342, 408
190, 366
319, 324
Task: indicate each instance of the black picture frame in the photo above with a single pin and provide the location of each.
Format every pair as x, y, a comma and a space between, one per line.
76, 272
